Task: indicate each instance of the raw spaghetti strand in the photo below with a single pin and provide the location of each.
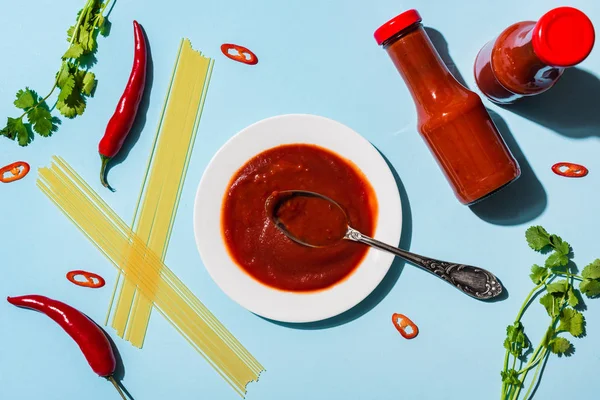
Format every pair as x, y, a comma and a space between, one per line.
106, 210
137, 207
159, 212
84, 214
172, 298
163, 182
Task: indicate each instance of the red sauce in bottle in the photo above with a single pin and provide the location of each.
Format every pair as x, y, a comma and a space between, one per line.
451, 119
529, 57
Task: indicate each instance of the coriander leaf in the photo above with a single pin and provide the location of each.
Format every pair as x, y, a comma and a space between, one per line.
72, 105
537, 237
63, 74
558, 287
41, 120
9, 130
88, 83
67, 88
573, 299
561, 345
557, 259
75, 51
16, 128
551, 303
571, 321
592, 271
70, 32
6, 132
548, 336
25, 99
511, 377
516, 340
105, 28
560, 245
591, 288
538, 274
86, 40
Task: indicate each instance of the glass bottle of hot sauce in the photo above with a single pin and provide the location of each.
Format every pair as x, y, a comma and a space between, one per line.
451, 119
528, 57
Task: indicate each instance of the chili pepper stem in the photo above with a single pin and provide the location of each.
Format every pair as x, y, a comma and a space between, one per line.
105, 161
116, 385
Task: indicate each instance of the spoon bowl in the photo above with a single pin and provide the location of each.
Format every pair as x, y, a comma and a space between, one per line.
283, 205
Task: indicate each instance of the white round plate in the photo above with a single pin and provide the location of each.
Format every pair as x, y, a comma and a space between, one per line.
250, 293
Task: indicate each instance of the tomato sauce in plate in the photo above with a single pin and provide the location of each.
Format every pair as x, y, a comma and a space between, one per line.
262, 250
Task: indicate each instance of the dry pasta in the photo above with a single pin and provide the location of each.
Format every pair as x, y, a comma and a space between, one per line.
163, 182
145, 269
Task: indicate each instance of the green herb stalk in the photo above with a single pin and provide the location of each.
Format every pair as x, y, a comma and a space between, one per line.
555, 283
74, 79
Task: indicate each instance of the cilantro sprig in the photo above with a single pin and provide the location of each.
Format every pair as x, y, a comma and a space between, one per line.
555, 283
74, 80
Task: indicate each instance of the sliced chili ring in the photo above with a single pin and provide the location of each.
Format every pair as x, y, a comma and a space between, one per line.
242, 54
17, 170
401, 322
569, 170
92, 280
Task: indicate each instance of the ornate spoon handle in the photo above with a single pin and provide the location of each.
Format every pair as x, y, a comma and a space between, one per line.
474, 281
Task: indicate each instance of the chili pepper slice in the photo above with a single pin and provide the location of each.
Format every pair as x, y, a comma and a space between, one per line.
17, 170
569, 170
401, 322
241, 54
92, 280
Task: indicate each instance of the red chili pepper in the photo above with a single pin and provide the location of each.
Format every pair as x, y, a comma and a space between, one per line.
242, 54
401, 322
17, 171
91, 339
569, 170
92, 280
122, 120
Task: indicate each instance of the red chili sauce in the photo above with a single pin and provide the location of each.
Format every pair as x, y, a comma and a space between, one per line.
308, 218
262, 250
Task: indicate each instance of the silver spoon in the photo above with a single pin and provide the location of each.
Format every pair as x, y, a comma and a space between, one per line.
474, 281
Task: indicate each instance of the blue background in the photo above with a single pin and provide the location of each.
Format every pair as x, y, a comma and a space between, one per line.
316, 56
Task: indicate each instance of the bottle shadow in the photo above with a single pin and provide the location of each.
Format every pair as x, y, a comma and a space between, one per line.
386, 284
521, 201
570, 108
141, 117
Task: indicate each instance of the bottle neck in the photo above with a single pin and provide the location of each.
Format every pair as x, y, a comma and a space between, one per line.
516, 64
430, 82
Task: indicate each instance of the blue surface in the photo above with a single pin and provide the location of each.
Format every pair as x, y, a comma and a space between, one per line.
315, 57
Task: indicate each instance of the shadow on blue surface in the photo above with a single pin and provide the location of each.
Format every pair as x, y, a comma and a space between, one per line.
386, 284
119, 373
521, 201
140, 120
524, 199
569, 108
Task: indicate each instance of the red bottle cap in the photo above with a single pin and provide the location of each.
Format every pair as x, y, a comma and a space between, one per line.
396, 24
563, 37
